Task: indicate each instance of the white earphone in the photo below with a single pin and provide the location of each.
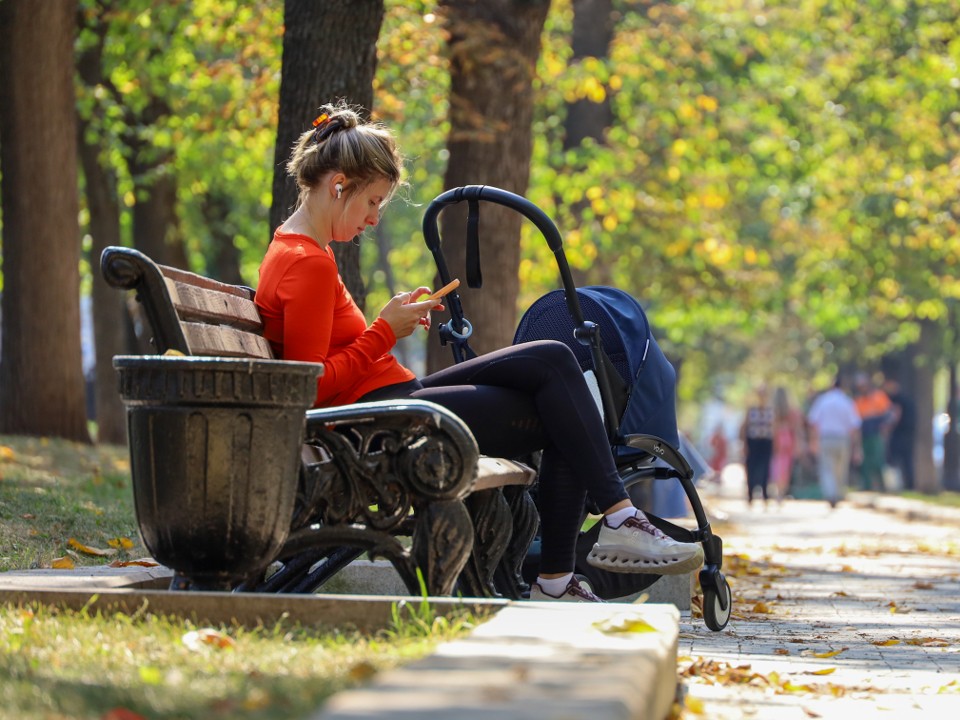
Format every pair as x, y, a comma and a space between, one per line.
339, 189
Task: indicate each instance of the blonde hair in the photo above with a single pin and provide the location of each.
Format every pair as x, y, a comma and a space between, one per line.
341, 141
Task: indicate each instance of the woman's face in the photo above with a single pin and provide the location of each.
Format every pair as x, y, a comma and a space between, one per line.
360, 209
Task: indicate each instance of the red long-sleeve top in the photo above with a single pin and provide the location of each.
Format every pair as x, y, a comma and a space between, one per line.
309, 316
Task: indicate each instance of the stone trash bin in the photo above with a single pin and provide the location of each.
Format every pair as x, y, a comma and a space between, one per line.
215, 452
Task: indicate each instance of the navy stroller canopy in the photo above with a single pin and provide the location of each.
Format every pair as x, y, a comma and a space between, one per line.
647, 405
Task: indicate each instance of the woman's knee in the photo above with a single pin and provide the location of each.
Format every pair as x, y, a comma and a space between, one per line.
555, 353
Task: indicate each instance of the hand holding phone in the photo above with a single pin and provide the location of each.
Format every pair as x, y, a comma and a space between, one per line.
445, 290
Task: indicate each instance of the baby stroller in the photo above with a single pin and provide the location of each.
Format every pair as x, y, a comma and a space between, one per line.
632, 381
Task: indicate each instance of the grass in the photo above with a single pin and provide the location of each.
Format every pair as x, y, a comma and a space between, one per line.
52, 491
945, 498
57, 664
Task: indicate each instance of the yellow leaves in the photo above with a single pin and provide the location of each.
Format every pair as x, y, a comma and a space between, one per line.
7, 454
197, 640
120, 543
705, 102
693, 704
829, 654
887, 643
63, 563
823, 671
361, 671
625, 623
762, 608
928, 642
679, 147
89, 550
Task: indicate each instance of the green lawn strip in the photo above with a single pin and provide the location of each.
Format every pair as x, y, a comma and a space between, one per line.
56, 663
945, 498
54, 490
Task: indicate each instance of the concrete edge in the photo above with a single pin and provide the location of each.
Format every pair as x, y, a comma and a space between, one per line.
534, 661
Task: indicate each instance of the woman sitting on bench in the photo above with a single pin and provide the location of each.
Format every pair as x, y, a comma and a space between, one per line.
516, 401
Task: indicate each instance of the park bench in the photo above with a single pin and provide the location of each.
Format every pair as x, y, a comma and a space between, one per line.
402, 480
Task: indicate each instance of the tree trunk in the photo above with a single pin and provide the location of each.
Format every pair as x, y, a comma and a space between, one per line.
155, 222
41, 377
593, 25
329, 53
224, 263
923, 367
109, 307
951, 438
493, 48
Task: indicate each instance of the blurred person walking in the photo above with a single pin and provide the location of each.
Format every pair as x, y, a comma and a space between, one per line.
874, 408
756, 434
788, 442
835, 439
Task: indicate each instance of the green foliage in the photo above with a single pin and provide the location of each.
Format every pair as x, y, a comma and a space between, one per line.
779, 183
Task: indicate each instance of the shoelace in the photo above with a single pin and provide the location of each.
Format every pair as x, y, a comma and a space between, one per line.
647, 527
575, 588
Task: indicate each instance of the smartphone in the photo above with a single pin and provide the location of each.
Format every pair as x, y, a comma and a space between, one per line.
445, 290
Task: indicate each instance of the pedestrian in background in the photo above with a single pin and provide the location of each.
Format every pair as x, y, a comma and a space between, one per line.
835, 439
756, 433
874, 409
788, 441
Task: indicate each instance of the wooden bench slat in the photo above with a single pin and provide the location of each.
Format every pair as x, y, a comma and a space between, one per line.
188, 278
497, 472
194, 303
226, 341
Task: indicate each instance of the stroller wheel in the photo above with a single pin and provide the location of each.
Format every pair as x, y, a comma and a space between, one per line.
717, 603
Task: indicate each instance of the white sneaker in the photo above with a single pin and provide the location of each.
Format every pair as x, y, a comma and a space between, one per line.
638, 547
576, 592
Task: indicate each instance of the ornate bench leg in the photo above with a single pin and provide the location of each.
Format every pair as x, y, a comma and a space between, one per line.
492, 527
442, 542
526, 521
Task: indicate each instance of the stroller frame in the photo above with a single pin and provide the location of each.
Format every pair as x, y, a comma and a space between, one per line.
717, 598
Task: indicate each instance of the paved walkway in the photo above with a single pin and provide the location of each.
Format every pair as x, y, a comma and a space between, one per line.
846, 613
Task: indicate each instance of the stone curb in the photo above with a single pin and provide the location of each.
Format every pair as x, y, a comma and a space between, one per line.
534, 661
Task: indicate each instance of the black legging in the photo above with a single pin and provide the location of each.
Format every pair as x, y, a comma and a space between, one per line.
525, 398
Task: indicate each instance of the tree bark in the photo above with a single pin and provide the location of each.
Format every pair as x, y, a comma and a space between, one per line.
109, 307
41, 377
329, 53
923, 370
593, 25
493, 48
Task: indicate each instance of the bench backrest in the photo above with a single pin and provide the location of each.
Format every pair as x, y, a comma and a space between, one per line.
189, 313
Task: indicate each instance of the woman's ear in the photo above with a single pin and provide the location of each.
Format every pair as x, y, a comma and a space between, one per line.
337, 184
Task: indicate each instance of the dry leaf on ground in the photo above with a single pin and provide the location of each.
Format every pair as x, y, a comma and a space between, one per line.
207, 637
89, 550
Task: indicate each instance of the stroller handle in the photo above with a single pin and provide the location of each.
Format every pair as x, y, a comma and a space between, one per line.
487, 193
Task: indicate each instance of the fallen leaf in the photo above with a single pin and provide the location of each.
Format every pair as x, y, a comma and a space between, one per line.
207, 637
887, 643
920, 585
63, 563
811, 713
7, 453
88, 550
625, 623
841, 593
120, 543
824, 671
28, 516
832, 653
781, 651
361, 671
693, 704
130, 563
762, 608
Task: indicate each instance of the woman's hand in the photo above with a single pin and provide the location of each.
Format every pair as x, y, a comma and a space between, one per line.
403, 315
